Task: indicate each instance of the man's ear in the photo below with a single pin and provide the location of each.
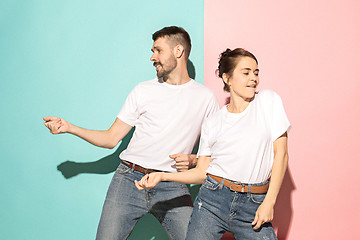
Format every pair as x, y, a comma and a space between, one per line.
179, 51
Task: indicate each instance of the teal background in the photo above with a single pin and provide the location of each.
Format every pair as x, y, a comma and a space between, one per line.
77, 60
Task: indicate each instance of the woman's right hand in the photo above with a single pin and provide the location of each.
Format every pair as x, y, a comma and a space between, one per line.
149, 180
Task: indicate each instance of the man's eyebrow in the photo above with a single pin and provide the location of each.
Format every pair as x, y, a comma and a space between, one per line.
155, 47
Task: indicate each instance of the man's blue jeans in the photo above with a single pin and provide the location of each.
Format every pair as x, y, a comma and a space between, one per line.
124, 205
217, 210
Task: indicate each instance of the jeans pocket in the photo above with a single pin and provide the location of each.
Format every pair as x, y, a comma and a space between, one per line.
122, 168
257, 198
210, 184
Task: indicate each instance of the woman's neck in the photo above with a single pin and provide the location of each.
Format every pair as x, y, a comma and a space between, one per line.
238, 104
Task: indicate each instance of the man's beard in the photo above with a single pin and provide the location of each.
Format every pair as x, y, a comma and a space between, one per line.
163, 74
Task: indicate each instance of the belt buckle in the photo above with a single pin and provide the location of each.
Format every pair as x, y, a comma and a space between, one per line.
230, 187
242, 188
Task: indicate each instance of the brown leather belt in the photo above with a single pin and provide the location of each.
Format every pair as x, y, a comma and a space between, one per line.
139, 168
243, 188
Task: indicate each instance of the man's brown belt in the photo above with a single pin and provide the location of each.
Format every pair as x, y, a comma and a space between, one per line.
244, 188
139, 168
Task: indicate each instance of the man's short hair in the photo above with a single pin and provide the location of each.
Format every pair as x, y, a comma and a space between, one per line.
177, 35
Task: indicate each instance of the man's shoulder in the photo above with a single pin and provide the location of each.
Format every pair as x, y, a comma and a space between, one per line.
151, 82
146, 85
199, 85
202, 88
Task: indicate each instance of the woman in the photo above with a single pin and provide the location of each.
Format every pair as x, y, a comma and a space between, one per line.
241, 146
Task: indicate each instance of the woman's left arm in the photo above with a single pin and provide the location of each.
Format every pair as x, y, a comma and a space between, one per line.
265, 212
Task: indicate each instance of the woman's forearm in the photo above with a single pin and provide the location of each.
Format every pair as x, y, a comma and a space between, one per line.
195, 175
192, 176
277, 176
278, 169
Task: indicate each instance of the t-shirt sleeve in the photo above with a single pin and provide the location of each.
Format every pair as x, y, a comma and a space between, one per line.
213, 106
204, 146
279, 121
129, 112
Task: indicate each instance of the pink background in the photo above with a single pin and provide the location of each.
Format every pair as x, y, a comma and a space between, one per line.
308, 52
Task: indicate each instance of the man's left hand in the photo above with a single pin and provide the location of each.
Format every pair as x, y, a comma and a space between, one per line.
182, 161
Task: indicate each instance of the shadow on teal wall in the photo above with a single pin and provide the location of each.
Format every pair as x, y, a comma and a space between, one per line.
77, 60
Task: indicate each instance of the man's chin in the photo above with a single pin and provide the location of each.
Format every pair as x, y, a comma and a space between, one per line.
162, 75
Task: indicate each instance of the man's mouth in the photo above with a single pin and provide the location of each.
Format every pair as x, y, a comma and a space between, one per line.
157, 66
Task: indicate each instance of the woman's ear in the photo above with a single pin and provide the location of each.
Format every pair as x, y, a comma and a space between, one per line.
226, 79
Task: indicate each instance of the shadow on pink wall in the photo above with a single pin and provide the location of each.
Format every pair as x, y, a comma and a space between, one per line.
284, 208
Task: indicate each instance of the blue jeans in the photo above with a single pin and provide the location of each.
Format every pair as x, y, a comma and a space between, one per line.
124, 205
218, 209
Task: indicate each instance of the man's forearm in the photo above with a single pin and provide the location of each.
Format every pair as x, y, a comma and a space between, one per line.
95, 137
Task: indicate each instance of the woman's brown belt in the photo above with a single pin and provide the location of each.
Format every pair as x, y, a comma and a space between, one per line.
244, 188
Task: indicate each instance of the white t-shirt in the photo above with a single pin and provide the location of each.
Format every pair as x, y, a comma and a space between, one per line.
167, 120
241, 144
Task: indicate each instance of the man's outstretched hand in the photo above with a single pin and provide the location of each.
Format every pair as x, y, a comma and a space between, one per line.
56, 125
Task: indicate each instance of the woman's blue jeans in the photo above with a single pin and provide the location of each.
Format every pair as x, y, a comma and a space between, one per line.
124, 205
218, 209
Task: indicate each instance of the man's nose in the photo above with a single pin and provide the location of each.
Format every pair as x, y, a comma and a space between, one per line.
153, 57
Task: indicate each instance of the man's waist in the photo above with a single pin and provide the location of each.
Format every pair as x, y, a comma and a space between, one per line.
145, 168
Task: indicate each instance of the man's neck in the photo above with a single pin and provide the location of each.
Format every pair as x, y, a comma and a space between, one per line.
178, 77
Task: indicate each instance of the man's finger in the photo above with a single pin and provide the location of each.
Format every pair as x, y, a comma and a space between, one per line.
173, 156
47, 119
182, 163
182, 166
182, 169
182, 160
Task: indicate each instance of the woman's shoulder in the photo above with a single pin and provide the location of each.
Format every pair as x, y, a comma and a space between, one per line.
267, 93
268, 96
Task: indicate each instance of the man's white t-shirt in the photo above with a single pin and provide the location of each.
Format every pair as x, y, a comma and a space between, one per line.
241, 144
167, 120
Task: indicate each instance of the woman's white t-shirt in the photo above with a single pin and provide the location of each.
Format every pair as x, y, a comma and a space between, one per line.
241, 144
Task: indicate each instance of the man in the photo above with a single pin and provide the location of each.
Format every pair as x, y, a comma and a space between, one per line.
167, 113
